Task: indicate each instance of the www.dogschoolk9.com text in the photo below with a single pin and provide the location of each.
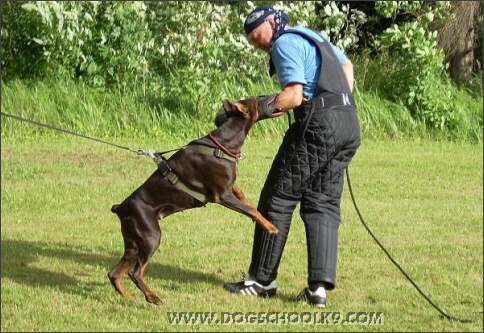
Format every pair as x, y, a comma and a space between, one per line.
276, 318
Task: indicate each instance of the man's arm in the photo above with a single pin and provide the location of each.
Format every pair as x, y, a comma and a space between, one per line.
290, 97
348, 69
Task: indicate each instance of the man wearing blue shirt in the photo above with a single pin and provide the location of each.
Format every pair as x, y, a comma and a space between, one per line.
316, 80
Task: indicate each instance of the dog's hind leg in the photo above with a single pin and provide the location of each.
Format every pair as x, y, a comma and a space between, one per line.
128, 259
148, 240
137, 272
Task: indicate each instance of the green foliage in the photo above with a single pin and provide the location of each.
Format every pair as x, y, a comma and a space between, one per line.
100, 42
341, 25
378, 80
197, 36
181, 58
390, 9
187, 108
415, 66
21, 56
138, 45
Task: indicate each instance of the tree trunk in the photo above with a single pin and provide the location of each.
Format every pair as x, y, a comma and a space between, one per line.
457, 38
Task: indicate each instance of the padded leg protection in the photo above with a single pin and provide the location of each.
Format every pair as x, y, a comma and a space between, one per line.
276, 203
321, 216
267, 249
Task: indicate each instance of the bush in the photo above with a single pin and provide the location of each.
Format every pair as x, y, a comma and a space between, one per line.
414, 66
22, 57
179, 58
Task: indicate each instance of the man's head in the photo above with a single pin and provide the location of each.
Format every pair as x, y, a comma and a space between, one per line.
263, 25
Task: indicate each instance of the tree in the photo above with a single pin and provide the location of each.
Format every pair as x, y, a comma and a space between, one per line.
459, 39
458, 35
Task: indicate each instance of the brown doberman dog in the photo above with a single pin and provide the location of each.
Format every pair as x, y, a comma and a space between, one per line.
203, 171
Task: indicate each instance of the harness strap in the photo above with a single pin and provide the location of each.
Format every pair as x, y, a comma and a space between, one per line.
167, 172
211, 151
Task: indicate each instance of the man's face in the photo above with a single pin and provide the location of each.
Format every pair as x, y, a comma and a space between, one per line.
261, 36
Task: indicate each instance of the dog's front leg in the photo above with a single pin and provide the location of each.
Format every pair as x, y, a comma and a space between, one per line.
239, 203
240, 195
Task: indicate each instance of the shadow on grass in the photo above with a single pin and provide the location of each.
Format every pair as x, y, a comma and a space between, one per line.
19, 259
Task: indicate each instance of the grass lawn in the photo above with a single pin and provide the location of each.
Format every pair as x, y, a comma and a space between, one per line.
423, 200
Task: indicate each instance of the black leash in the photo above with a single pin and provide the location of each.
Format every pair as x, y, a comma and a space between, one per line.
445, 315
137, 151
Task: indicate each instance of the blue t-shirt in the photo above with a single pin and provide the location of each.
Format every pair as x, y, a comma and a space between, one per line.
297, 60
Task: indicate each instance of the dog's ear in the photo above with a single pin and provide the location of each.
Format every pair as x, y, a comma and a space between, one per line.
243, 108
227, 105
238, 107
251, 105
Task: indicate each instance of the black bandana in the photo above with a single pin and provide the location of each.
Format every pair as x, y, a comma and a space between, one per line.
259, 15
281, 20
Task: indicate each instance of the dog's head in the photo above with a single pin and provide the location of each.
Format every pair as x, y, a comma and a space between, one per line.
244, 108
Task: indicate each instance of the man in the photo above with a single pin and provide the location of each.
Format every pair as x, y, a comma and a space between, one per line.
316, 80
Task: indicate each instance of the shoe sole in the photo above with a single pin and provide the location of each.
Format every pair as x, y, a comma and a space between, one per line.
267, 294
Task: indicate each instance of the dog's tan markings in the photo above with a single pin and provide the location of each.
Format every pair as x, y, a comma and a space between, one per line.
263, 222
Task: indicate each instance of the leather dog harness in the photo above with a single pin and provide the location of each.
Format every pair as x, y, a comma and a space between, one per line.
167, 171
219, 152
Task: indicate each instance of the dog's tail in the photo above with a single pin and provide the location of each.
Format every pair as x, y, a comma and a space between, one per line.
114, 208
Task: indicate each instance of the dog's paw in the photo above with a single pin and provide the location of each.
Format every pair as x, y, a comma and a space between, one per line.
272, 229
152, 298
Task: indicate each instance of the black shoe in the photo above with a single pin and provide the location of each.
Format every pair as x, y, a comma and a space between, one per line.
250, 287
317, 297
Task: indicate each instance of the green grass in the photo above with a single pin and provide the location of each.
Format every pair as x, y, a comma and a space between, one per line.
423, 199
108, 114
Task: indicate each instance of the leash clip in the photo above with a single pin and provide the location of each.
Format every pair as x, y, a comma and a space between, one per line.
138, 151
151, 153
157, 158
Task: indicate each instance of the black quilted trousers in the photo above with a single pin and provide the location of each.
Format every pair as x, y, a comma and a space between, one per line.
308, 168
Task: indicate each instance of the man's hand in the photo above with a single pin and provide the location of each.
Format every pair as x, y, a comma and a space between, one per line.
267, 107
